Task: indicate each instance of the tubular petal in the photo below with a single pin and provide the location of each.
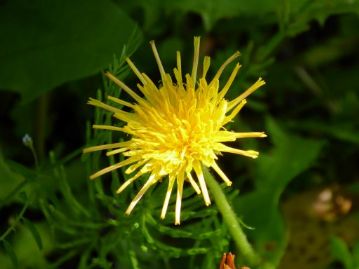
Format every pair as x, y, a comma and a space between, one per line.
114, 167
226, 87
124, 116
195, 59
119, 101
206, 65
106, 146
151, 180
135, 166
124, 87
158, 60
250, 134
98, 103
244, 95
224, 65
221, 174
116, 151
193, 183
171, 181
249, 153
135, 70
128, 182
234, 112
180, 180
202, 182
108, 127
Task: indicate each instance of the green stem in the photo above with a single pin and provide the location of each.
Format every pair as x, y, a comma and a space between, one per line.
231, 220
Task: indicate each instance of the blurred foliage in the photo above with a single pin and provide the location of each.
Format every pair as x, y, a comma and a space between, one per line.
49, 43
341, 252
51, 57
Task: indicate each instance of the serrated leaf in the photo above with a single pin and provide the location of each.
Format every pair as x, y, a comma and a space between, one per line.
211, 10
303, 12
51, 42
297, 14
34, 232
10, 251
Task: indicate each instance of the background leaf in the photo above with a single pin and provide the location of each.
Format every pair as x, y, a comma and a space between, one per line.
341, 252
10, 251
291, 155
34, 232
46, 43
303, 12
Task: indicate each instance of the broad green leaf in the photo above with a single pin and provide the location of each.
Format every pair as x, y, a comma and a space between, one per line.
340, 252
27, 253
291, 155
48, 43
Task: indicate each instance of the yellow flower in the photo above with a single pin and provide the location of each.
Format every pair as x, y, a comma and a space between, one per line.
175, 128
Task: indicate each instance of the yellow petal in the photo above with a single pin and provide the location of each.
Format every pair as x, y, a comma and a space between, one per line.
195, 59
151, 180
115, 166
106, 146
180, 180
221, 174
168, 196
202, 182
224, 65
226, 87
120, 102
98, 103
124, 87
158, 60
193, 183
128, 182
248, 92
249, 153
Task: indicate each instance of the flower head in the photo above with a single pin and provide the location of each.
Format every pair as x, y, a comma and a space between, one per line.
175, 128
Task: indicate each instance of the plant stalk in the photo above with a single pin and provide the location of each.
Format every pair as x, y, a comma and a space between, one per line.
231, 220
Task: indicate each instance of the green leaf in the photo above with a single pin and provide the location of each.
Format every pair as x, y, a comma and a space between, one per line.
345, 131
340, 252
303, 12
10, 251
34, 232
290, 156
294, 14
211, 10
51, 42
